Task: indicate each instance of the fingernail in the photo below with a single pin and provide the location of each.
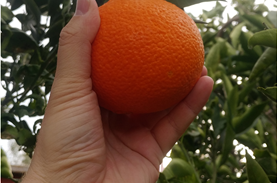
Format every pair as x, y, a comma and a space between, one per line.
82, 7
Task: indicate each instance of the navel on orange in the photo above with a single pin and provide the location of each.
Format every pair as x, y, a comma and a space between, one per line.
146, 57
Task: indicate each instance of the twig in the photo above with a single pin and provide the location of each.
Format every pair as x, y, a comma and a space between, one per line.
220, 32
269, 115
48, 61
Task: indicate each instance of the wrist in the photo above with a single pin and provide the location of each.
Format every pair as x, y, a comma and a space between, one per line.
33, 176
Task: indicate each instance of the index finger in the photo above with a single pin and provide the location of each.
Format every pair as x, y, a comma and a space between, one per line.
170, 128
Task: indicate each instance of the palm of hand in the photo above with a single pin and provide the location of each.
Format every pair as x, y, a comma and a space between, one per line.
132, 150
78, 142
96, 146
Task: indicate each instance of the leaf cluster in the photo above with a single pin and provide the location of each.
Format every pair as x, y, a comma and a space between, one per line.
28, 63
240, 55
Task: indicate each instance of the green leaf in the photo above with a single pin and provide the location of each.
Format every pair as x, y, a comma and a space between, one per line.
271, 143
5, 36
23, 110
272, 178
257, 20
208, 166
246, 120
53, 7
234, 161
247, 88
256, 51
250, 139
179, 151
265, 60
274, 156
243, 59
162, 179
191, 142
66, 6
54, 31
15, 4
4, 68
228, 143
37, 104
25, 137
6, 171
261, 8
33, 8
213, 57
36, 58
216, 11
226, 83
38, 98
230, 49
239, 68
224, 170
8, 117
39, 121
270, 92
218, 121
176, 152
224, 47
48, 87
184, 3
208, 36
9, 132
264, 158
218, 161
240, 64
179, 168
255, 172
27, 82
214, 54
265, 38
28, 22
232, 100
28, 69
235, 34
23, 124
6, 14
20, 42
260, 129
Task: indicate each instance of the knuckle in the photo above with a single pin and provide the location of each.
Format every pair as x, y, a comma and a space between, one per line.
191, 109
175, 126
66, 35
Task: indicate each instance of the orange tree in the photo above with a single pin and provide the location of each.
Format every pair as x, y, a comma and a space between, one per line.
240, 55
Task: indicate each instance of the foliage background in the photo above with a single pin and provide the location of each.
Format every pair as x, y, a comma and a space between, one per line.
240, 57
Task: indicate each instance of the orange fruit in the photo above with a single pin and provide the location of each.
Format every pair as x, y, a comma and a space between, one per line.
146, 57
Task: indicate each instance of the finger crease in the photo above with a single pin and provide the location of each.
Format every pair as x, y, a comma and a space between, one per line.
174, 125
190, 108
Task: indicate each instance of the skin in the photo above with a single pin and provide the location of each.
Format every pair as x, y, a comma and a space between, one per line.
82, 142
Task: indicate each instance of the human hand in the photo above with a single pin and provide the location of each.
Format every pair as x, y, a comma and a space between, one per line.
81, 142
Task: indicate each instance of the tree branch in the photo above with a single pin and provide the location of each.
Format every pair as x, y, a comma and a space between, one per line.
220, 32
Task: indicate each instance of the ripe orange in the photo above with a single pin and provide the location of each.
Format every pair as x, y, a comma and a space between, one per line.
146, 57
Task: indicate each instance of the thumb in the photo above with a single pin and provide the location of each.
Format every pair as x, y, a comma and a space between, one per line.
74, 53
